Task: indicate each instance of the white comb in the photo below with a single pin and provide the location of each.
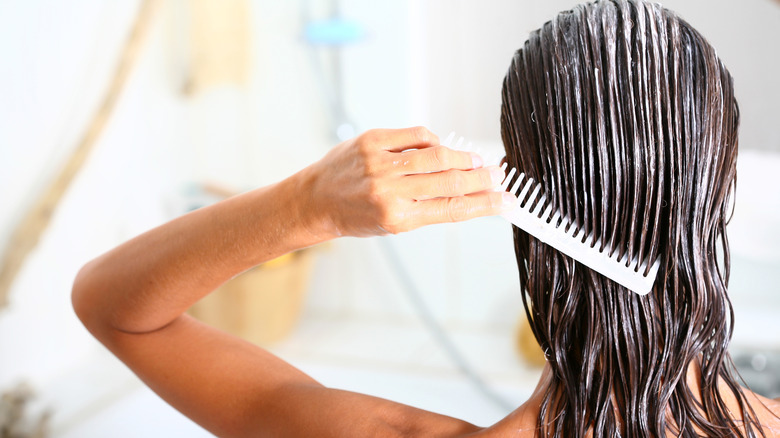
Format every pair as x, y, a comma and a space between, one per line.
566, 236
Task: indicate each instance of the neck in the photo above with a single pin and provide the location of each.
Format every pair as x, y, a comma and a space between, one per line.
528, 413
767, 412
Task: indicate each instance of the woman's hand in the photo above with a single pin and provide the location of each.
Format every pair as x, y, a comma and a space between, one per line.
390, 181
371, 185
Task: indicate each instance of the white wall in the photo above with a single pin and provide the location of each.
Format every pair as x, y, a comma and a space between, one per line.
56, 61
71, 51
468, 46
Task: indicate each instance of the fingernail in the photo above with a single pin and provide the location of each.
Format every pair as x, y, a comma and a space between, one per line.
476, 161
496, 175
508, 201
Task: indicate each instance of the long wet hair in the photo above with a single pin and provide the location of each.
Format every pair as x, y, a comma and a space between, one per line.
628, 118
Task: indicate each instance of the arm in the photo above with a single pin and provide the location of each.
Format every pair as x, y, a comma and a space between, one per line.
132, 298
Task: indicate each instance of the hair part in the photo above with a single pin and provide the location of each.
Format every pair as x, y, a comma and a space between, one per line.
627, 117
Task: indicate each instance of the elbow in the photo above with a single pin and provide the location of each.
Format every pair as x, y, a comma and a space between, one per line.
99, 306
82, 297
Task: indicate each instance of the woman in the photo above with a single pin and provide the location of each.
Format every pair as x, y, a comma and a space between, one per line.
633, 123
610, 130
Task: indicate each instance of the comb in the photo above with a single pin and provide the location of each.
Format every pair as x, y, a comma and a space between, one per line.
558, 231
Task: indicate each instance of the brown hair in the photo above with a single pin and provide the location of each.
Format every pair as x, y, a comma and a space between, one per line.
627, 117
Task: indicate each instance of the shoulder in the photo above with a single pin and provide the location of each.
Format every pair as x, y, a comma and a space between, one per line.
521, 423
767, 410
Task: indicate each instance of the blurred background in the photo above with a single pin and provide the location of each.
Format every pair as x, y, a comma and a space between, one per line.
118, 116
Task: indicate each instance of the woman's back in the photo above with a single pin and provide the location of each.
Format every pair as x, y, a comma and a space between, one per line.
523, 421
627, 117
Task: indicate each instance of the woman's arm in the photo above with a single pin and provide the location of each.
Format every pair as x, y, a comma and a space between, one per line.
133, 298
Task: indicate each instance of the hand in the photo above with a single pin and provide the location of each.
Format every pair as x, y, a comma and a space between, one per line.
390, 181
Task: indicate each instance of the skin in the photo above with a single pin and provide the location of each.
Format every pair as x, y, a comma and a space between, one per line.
133, 298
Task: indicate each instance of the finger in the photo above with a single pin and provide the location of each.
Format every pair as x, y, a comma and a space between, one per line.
452, 183
462, 208
397, 140
436, 159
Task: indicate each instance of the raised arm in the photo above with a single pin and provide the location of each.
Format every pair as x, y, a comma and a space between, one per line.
132, 298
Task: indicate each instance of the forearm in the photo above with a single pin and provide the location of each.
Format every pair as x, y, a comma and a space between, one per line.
384, 181
150, 280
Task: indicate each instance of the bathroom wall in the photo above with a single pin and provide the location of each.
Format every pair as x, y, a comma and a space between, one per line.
56, 61
467, 47
64, 55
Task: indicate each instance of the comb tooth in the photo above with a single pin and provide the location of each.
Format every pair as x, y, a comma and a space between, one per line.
508, 179
625, 260
569, 228
527, 186
621, 260
577, 231
448, 140
585, 237
459, 143
645, 267
611, 255
590, 241
493, 157
469, 146
593, 241
516, 185
636, 264
556, 216
651, 268
629, 262
546, 213
539, 204
532, 197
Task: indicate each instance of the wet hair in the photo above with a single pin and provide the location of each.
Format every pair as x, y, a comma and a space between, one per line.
627, 117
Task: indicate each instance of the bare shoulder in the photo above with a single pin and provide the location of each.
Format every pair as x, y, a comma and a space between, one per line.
768, 411
521, 423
